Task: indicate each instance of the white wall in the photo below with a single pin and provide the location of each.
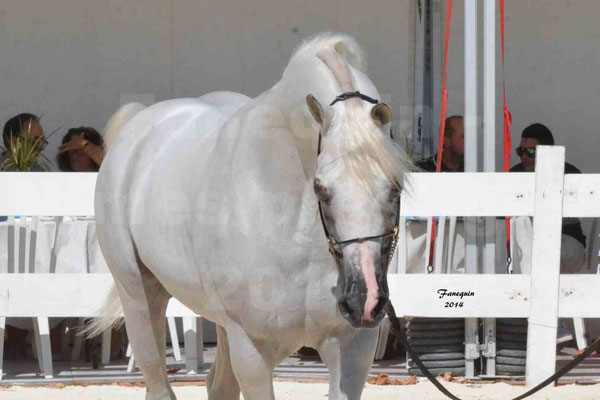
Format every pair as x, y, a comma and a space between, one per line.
552, 74
75, 61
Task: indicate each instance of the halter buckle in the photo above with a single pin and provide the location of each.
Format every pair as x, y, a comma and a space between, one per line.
395, 237
331, 249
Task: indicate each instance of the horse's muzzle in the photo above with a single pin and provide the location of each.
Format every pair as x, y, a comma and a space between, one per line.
352, 308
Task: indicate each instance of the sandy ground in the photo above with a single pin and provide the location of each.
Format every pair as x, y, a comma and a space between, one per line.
308, 391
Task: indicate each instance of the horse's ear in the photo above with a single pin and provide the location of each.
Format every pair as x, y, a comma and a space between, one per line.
315, 109
381, 114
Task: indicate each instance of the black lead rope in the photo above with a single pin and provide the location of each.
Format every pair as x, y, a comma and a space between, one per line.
395, 326
554, 378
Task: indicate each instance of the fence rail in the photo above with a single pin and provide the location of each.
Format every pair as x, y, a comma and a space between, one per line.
44, 295
547, 195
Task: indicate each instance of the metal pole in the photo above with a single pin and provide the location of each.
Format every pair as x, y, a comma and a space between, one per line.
422, 133
489, 164
470, 120
470, 124
489, 85
437, 61
471, 86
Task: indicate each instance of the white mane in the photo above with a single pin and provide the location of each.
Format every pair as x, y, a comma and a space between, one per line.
366, 149
367, 153
344, 45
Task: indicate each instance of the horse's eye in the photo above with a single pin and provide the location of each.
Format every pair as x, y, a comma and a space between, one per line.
320, 189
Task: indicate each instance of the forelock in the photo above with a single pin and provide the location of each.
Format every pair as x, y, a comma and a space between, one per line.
367, 153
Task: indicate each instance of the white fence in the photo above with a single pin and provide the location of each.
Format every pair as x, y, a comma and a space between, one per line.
43, 295
547, 195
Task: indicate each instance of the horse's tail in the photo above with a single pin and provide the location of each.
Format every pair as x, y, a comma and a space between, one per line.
118, 121
111, 315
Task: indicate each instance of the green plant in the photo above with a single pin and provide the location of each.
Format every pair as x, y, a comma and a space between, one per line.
24, 152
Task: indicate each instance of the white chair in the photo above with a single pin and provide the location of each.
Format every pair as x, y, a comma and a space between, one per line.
63, 195
22, 241
21, 249
593, 265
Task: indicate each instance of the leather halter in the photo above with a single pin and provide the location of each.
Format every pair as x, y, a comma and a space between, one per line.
332, 243
349, 95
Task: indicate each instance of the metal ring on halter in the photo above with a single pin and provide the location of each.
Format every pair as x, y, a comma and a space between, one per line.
332, 250
395, 232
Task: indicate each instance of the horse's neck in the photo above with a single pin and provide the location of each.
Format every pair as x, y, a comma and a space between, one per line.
290, 96
302, 132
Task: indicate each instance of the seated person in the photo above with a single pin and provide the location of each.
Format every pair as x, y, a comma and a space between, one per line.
573, 241
26, 129
453, 152
82, 150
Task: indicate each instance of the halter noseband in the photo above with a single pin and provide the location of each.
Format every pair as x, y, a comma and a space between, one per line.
332, 243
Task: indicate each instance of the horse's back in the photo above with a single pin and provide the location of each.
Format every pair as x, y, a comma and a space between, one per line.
156, 155
228, 102
164, 130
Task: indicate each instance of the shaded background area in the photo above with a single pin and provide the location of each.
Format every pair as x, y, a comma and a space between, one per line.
76, 61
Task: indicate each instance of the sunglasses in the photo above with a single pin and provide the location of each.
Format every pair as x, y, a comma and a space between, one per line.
522, 151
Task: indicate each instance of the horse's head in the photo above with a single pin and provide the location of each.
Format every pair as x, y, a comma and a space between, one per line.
357, 183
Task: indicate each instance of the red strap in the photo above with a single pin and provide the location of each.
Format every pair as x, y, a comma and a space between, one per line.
507, 126
507, 145
507, 114
444, 106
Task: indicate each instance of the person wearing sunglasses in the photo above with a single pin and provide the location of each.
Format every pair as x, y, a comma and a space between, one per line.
532, 136
574, 241
26, 128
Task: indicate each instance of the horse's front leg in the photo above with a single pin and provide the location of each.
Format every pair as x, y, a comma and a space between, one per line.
349, 357
251, 366
221, 383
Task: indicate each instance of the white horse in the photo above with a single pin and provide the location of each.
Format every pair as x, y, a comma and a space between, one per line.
219, 211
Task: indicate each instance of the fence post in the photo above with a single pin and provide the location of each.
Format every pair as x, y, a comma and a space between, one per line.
545, 263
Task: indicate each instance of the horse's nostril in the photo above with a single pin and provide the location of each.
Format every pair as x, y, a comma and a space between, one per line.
351, 314
345, 308
379, 309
